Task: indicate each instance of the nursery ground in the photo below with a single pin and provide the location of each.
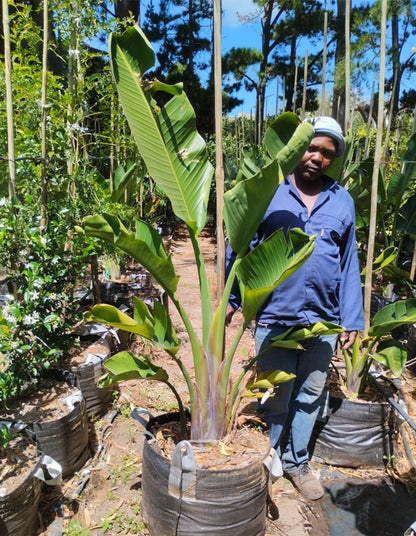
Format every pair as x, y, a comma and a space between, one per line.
104, 497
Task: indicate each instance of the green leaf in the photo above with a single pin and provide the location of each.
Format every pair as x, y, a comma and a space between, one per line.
279, 132
392, 316
385, 258
147, 249
246, 203
300, 332
126, 366
269, 379
287, 140
173, 151
111, 316
392, 355
269, 264
407, 217
337, 167
122, 179
157, 328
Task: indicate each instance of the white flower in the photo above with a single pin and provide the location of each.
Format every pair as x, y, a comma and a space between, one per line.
4, 202
10, 318
38, 283
43, 240
31, 319
55, 261
34, 294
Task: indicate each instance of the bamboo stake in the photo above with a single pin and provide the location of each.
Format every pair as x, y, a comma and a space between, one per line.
305, 82
9, 100
219, 165
376, 169
276, 111
370, 117
413, 265
295, 83
348, 65
324, 60
284, 94
44, 172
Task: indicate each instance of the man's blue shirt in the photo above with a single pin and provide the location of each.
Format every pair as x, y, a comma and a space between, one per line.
328, 285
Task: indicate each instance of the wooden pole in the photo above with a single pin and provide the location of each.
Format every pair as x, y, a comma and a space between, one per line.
219, 164
377, 163
305, 83
324, 60
43, 136
276, 111
9, 100
347, 65
370, 118
295, 83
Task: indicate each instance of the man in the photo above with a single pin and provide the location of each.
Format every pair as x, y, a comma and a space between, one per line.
326, 287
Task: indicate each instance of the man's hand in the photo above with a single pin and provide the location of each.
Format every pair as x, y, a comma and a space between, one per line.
229, 315
347, 339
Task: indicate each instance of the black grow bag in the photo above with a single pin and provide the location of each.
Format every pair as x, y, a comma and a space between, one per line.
179, 499
352, 433
65, 439
87, 373
19, 505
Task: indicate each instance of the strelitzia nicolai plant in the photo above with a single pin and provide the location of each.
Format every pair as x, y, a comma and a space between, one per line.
378, 346
176, 159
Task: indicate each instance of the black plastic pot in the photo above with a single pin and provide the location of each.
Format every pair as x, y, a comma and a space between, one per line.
351, 433
182, 499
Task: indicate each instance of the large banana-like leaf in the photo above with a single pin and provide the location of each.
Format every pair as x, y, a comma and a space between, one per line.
146, 247
246, 203
269, 264
126, 366
392, 316
392, 355
157, 327
385, 258
293, 336
407, 217
173, 151
122, 179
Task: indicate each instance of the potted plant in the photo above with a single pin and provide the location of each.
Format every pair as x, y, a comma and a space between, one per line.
354, 430
179, 496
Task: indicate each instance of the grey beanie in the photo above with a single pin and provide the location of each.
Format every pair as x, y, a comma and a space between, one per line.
327, 126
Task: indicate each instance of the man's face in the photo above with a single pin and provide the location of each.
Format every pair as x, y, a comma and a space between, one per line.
317, 159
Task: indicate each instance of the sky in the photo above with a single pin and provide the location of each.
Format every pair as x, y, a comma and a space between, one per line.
237, 34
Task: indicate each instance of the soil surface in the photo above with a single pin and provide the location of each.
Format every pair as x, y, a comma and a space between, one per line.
104, 497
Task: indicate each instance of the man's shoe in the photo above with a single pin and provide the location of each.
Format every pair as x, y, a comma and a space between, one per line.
306, 483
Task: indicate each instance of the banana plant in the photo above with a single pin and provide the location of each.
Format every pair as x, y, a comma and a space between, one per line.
175, 155
378, 346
